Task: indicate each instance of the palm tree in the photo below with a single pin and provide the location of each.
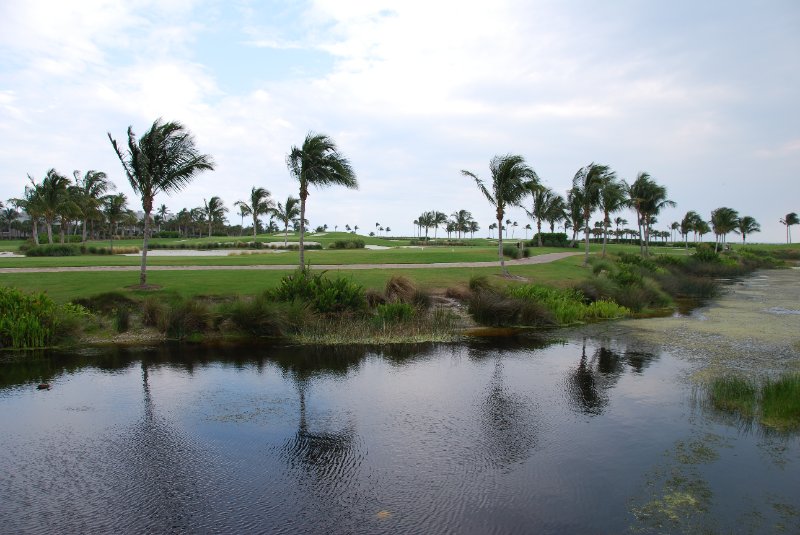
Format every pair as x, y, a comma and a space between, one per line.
527, 227
260, 204
689, 223
319, 163
29, 203
114, 209
165, 160
789, 220
617, 222
747, 225
438, 219
8, 216
723, 221
461, 220
69, 210
575, 211
91, 189
286, 213
612, 200
51, 198
355, 229
542, 199
214, 211
426, 220
555, 210
647, 198
589, 181
511, 181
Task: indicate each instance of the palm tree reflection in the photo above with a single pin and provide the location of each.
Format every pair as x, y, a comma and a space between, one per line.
589, 384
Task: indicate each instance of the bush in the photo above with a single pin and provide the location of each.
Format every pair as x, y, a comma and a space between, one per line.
34, 320
167, 234
351, 243
184, 318
55, 249
512, 251
567, 306
122, 319
550, 239
323, 294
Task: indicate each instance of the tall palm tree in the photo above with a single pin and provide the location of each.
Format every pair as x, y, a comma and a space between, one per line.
723, 221
612, 200
164, 159
689, 223
8, 216
214, 211
260, 204
747, 225
29, 203
789, 220
617, 222
590, 180
462, 219
91, 189
51, 195
511, 182
69, 210
439, 219
555, 210
287, 212
319, 163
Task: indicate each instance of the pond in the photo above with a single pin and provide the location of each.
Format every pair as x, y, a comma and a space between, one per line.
593, 430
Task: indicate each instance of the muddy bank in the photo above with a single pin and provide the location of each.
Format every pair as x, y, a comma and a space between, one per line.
752, 328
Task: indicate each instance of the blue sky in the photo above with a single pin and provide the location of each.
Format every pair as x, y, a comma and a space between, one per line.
703, 96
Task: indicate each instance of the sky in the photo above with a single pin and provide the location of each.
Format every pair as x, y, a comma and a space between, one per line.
704, 96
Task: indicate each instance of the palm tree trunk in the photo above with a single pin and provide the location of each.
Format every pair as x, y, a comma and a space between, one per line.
49, 231
500, 242
255, 225
35, 231
539, 230
302, 227
143, 272
285, 232
586, 216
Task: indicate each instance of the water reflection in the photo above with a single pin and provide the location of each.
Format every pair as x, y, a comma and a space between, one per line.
507, 421
589, 383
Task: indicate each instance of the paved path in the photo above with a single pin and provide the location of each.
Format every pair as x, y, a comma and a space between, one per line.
540, 259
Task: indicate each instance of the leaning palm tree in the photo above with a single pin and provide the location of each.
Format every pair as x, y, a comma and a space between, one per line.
647, 198
747, 225
260, 204
789, 220
51, 197
30, 203
214, 211
319, 163
574, 213
542, 200
511, 182
589, 180
114, 209
164, 159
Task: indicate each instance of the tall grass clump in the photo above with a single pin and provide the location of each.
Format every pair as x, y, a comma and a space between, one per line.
496, 310
780, 402
733, 394
34, 320
184, 318
53, 249
353, 243
259, 316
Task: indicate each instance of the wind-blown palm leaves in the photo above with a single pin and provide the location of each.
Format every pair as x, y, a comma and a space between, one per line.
319, 163
512, 180
165, 160
543, 200
690, 223
114, 208
90, 191
51, 198
214, 211
287, 213
260, 204
589, 182
747, 225
647, 198
612, 200
789, 220
723, 221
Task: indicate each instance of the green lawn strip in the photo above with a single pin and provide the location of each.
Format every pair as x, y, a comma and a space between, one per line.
66, 286
428, 255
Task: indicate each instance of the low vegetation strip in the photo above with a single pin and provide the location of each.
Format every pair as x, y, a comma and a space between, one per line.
775, 403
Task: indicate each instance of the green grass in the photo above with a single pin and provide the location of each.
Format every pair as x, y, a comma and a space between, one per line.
733, 394
780, 402
66, 286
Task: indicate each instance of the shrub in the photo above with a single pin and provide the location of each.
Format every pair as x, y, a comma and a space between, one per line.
567, 306
550, 239
351, 243
400, 289
479, 282
34, 320
512, 251
55, 249
122, 319
152, 310
323, 294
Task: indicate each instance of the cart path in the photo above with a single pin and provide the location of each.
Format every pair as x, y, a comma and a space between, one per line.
541, 259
